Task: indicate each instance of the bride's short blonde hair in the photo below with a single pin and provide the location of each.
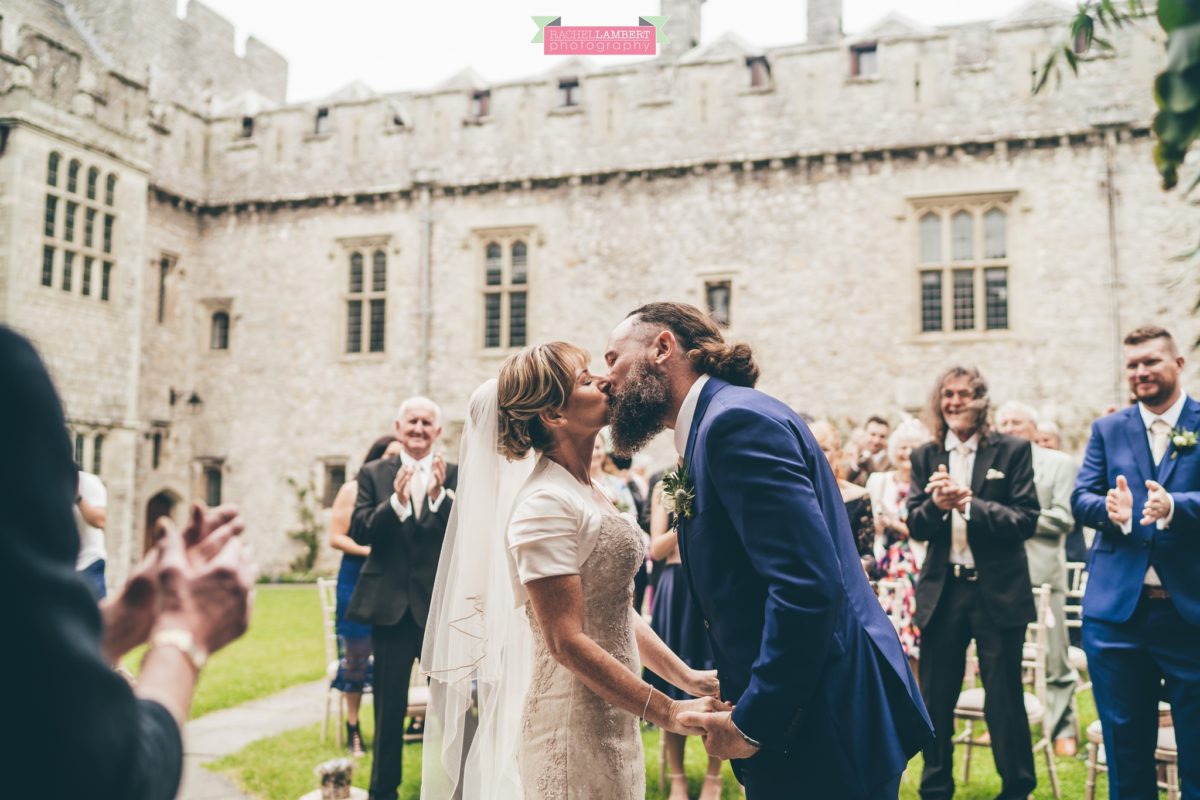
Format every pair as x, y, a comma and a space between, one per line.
539, 378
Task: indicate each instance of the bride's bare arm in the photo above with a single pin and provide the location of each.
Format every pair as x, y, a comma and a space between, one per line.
662, 660
558, 607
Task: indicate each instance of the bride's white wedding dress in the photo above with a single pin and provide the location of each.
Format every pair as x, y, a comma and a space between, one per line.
573, 743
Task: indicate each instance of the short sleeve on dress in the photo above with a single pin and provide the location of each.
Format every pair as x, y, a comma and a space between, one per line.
543, 536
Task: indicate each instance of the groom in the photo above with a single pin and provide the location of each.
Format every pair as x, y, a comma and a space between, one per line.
825, 704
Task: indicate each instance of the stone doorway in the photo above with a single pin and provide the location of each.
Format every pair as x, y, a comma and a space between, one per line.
160, 505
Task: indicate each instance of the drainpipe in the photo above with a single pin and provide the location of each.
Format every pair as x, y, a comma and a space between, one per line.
1114, 277
424, 181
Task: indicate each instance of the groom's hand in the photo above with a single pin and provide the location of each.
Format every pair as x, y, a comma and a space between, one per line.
722, 739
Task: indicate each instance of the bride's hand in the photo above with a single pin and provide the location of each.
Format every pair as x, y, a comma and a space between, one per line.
701, 683
699, 705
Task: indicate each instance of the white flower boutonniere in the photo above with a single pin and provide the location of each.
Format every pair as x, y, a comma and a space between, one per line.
1184, 441
678, 493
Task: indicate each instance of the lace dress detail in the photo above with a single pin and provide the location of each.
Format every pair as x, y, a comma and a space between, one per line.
574, 744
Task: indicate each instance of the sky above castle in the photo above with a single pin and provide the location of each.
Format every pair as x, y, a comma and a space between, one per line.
399, 45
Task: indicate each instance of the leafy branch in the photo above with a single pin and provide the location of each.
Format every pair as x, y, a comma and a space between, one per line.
309, 531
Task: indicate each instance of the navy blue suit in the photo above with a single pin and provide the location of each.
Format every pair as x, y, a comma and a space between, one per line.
802, 647
1135, 642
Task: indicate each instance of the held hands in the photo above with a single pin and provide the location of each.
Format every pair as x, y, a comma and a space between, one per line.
702, 683
686, 717
722, 739
947, 495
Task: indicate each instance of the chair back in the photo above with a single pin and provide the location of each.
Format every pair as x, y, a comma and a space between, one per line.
327, 591
1037, 642
1077, 577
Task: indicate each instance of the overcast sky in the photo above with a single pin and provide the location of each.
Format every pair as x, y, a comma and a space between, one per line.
396, 45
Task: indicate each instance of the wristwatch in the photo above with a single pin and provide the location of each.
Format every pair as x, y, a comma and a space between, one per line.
184, 642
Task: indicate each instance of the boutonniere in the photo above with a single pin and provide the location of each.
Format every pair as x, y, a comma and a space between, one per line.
678, 493
994, 475
1183, 440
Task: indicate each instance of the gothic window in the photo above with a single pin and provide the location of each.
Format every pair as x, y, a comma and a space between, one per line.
335, 477
63, 213
321, 123
79, 443
247, 127
105, 280
212, 484
760, 71
864, 60
165, 263
73, 176
156, 450
108, 233
97, 453
718, 296
481, 104
89, 227
51, 215
568, 92
68, 267
93, 177
52, 169
86, 288
47, 266
219, 331
110, 189
69, 229
505, 292
968, 291
366, 302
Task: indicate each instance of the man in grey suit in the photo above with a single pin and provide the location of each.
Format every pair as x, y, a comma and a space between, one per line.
1054, 479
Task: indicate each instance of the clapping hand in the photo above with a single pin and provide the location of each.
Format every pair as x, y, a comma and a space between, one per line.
438, 477
400, 484
1158, 504
1119, 503
947, 494
722, 739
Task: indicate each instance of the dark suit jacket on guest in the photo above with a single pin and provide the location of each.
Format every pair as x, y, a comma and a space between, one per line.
78, 730
1004, 513
398, 576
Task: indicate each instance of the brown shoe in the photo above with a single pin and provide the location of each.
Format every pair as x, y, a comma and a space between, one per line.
1066, 747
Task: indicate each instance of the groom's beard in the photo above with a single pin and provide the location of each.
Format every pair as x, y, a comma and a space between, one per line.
639, 411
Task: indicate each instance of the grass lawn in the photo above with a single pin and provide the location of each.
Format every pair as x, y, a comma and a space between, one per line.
281, 768
284, 646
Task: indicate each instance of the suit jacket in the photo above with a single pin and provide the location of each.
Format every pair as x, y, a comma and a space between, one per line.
1054, 479
1004, 513
118, 746
802, 646
398, 575
1118, 562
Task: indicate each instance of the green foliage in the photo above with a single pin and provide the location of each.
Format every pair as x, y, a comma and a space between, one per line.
310, 530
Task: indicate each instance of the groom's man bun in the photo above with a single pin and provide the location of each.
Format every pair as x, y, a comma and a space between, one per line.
539, 378
702, 341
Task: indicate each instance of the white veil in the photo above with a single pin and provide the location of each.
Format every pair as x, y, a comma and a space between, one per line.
478, 651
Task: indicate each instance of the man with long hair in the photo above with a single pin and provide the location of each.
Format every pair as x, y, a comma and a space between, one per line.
973, 500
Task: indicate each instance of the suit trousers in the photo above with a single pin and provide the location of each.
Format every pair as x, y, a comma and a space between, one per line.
960, 616
1129, 663
396, 648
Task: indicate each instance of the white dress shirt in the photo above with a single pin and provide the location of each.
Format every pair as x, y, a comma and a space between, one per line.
961, 468
422, 474
683, 422
1171, 417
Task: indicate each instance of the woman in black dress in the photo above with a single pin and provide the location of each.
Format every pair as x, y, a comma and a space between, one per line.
675, 620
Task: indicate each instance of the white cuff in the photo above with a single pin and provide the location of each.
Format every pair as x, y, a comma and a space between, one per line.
1165, 522
966, 514
1127, 527
434, 505
402, 511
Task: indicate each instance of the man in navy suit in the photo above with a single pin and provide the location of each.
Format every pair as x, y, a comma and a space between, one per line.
825, 704
1139, 487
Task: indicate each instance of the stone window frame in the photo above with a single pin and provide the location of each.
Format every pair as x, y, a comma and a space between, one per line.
208, 469
216, 308
329, 467
88, 252
366, 247
502, 293
979, 267
857, 50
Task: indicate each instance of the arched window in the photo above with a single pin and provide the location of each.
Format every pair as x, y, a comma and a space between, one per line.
378, 271
356, 272
931, 238
994, 234
493, 265
962, 235
92, 180
520, 271
366, 304
52, 169
219, 336
110, 189
73, 176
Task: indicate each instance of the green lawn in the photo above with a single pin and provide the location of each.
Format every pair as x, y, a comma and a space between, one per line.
284, 646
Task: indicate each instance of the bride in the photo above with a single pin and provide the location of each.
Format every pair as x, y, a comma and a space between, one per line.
533, 645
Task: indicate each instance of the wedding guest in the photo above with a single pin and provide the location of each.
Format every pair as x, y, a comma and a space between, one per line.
873, 456
1049, 436
681, 628
858, 502
83, 732
1141, 612
353, 638
91, 508
401, 511
604, 474
1053, 478
899, 556
973, 500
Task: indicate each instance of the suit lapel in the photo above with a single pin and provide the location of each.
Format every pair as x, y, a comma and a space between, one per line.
1135, 433
1188, 421
985, 456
